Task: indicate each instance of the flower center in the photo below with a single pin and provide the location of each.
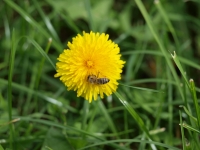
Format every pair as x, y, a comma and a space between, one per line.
89, 63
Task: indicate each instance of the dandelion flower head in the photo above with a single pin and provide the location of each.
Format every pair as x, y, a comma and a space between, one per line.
90, 54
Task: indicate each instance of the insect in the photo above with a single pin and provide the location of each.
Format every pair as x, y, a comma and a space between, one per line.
95, 80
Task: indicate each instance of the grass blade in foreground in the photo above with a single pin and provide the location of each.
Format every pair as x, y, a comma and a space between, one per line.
193, 91
182, 131
134, 114
178, 64
188, 113
108, 118
42, 61
10, 75
130, 141
141, 88
191, 87
190, 128
42, 52
1, 148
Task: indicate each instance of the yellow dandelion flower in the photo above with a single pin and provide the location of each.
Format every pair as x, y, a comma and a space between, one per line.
91, 66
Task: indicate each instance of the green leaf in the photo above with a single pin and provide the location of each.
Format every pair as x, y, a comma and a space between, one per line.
1, 148
55, 140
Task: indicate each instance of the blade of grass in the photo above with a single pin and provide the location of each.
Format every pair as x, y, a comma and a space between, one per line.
153, 52
170, 107
159, 109
196, 105
185, 96
69, 129
91, 119
70, 23
190, 128
39, 94
139, 81
168, 22
188, 113
1, 148
85, 115
6, 27
30, 104
39, 72
178, 64
130, 141
113, 134
126, 125
191, 86
45, 56
65, 17
134, 114
140, 88
24, 75
130, 64
38, 47
66, 127
42, 64
158, 40
88, 9
107, 117
10, 75
34, 23
46, 21
40, 50
182, 130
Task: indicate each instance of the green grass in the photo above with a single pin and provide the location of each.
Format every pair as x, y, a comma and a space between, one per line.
156, 105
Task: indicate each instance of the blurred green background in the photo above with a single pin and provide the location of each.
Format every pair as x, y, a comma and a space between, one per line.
36, 110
